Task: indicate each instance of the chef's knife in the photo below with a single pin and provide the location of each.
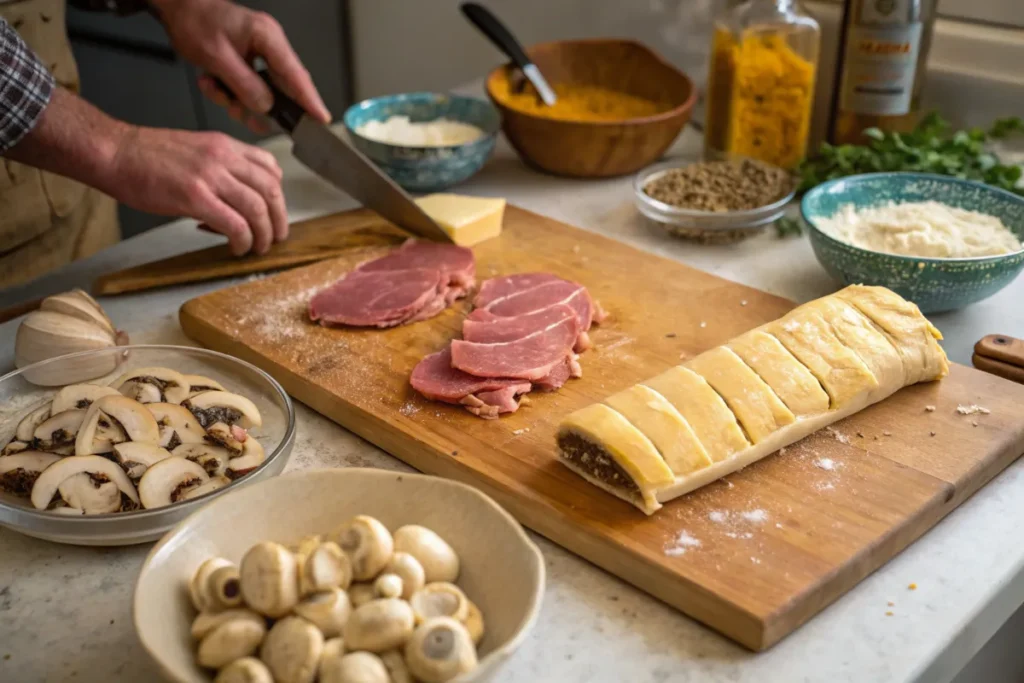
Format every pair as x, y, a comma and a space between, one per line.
346, 168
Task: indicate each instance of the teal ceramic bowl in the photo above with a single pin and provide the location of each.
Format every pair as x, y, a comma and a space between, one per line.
934, 284
426, 169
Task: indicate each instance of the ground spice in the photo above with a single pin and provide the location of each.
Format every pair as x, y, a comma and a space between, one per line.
578, 102
759, 97
721, 186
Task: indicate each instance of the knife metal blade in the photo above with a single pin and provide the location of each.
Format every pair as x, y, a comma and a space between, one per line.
345, 167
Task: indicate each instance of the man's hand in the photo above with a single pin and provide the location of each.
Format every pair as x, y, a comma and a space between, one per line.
233, 187
223, 38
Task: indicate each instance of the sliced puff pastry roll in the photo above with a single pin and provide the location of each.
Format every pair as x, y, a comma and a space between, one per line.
768, 388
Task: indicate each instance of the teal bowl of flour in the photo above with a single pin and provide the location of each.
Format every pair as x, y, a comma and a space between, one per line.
934, 284
422, 168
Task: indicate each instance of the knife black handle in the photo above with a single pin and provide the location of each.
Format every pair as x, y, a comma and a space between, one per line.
285, 111
497, 32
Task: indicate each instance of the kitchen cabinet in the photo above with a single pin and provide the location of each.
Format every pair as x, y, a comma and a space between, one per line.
129, 69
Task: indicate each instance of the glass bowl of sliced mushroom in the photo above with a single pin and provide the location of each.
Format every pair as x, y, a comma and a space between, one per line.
339, 576
124, 457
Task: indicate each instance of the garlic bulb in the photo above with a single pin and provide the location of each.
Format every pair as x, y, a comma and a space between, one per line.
67, 323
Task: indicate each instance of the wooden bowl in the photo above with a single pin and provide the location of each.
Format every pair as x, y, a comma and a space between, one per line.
597, 149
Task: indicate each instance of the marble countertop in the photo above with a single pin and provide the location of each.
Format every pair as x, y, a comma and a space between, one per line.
65, 612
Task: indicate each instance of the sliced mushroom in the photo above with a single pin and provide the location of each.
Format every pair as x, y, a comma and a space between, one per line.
177, 425
322, 567
388, 586
93, 494
131, 416
292, 650
221, 435
14, 446
251, 458
361, 593
368, 545
27, 427
207, 620
210, 407
167, 481
79, 396
153, 385
136, 457
199, 584
225, 588
198, 384
231, 640
439, 599
209, 486
355, 667
327, 610
439, 561
270, 582
474, 623
410, 570
213, 459
398, 670
45, 488
379, 625
18, 472
58, 430
439, 650
245, 670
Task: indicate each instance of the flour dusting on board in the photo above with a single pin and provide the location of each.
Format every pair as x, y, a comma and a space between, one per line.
827, 464
681, 544
280, 319
756, 516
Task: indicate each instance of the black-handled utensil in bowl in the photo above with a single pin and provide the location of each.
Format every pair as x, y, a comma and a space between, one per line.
498, 33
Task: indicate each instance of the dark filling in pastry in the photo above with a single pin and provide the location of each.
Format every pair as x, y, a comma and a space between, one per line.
595, 461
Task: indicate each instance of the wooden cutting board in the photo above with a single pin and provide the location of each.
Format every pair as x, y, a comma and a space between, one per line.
753, 556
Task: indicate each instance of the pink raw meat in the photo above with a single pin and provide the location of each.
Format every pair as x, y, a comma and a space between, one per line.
376, 299
531, 357
559, 375
435, 378
455, 262
490, 404
516, 327
537, 298
500, 287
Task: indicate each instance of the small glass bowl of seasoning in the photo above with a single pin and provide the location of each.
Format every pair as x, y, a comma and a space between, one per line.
714, 202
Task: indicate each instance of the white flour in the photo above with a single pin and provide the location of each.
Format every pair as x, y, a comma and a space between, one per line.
682, 543
928, 229
400, 130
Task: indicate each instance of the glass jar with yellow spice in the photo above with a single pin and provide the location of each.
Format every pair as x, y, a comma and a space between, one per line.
760, 92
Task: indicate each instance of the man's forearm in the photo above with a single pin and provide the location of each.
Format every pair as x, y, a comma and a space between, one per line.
74, 139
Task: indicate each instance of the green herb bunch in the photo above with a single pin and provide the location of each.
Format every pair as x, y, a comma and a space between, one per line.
929, 148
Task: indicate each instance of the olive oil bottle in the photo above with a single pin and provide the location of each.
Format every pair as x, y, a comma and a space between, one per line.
881, 65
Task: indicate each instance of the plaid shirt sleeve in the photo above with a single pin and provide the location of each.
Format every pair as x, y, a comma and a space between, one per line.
25, 87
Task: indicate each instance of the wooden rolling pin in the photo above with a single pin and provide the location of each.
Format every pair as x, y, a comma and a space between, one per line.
1001, 355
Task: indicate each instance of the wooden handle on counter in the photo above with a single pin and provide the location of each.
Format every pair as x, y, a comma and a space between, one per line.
1000, 355
310, 241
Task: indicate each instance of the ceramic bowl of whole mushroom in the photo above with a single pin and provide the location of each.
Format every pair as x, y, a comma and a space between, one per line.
340, 576
122, 458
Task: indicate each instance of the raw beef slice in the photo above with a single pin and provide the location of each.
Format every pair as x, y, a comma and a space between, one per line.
435, 378
516, 327
501, 287
455, 262
531, 357
376, 299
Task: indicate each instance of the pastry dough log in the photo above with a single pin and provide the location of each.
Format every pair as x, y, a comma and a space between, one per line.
776, 384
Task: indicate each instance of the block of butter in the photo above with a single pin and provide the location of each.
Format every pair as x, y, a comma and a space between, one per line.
469, 220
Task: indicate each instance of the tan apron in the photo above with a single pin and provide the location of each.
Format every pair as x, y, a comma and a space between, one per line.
47, 220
